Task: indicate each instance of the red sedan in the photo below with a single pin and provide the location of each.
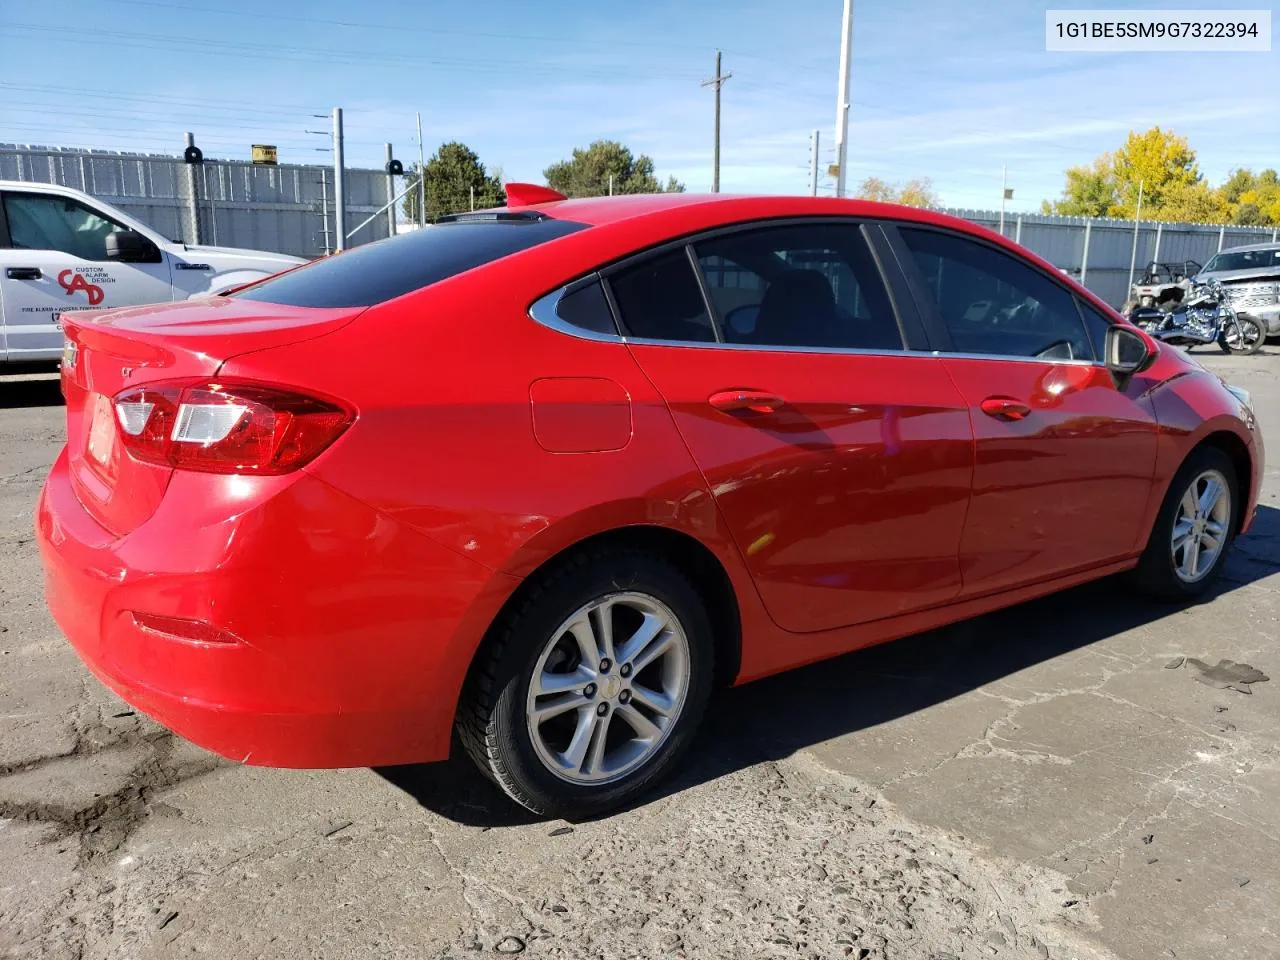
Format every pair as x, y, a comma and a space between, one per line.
550, 474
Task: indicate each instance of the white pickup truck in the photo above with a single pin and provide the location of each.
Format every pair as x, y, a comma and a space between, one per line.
62, 250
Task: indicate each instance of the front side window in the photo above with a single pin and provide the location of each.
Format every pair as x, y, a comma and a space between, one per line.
802, 285
41, 221
991, 303
1097, 324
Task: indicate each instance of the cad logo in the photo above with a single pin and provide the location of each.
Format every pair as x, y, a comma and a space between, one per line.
71, 281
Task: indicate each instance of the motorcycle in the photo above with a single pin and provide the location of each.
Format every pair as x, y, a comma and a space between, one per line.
1205, 316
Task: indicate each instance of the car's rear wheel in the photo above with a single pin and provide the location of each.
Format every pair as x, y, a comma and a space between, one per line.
590, 692
1194, 528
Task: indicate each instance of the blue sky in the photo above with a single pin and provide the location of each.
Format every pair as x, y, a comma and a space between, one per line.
942, 89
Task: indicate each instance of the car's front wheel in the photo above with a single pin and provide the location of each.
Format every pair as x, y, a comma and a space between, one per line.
1194, 528
590, 692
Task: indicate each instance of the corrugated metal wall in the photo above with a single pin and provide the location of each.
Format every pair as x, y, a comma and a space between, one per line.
285, 209
1061, 241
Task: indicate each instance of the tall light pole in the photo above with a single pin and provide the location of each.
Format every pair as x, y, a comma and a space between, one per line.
1004, 194
842, 100
813, 166
1137, 220
339, 185
422, 178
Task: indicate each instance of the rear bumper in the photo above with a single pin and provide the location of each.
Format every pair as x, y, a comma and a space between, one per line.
345, 640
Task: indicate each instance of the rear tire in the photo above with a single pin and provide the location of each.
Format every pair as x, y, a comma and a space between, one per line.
1193, 529
569, 708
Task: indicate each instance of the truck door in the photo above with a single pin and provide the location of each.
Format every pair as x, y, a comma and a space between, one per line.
53, 257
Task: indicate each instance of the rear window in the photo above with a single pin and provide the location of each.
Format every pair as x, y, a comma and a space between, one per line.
398, 265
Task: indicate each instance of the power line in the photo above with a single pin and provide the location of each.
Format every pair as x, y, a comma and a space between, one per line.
295, 54
97, 93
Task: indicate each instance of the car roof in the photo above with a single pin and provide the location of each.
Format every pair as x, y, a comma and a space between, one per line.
680, 214
598, 211
1250, 248
35, 186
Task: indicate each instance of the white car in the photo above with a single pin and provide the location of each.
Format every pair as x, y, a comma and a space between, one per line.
63, 250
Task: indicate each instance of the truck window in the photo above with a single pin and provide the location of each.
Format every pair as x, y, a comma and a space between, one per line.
41, 221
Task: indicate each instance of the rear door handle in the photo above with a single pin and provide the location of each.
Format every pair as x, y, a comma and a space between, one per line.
23, 273
1005, 408
756, 401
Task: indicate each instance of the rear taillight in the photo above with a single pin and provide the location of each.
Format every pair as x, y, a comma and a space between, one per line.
226, 427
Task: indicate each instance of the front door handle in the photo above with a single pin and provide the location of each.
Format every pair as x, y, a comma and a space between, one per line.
1005, 408
755, 401
23, 273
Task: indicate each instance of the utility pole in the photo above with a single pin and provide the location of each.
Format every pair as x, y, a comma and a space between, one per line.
611, 184
339, 186
813, 167
422, 178
324, 210
716, 82
842, 100
1133, 256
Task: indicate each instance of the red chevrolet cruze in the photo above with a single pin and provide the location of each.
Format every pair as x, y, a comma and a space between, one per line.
549, 474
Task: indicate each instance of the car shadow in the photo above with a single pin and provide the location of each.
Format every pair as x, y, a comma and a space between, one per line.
775, 717
42, 389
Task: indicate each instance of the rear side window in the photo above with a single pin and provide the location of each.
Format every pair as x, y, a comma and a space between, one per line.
660, 299
391, 268
805, 285
587, 309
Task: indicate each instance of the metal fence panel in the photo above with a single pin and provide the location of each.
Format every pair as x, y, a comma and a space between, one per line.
288, 208
283, 208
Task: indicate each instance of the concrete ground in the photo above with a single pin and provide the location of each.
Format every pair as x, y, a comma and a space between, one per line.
1050, 781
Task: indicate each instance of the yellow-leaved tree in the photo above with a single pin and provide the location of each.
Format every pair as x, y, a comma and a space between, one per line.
1172, 186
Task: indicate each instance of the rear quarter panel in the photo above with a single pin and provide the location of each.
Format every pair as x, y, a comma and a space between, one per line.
445, 439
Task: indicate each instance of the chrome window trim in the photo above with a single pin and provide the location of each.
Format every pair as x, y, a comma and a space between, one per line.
543, 311
1015, 358
839, 351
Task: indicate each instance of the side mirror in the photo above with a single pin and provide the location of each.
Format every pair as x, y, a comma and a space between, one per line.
1128, 351
129, 246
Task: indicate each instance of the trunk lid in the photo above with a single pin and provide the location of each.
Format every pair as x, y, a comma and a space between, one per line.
109, 351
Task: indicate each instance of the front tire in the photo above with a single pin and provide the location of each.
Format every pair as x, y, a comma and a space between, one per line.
1194, 528
1247, 340
590, 692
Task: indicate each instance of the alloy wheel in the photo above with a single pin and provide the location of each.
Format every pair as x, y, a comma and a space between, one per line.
608, 688
1201, 526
